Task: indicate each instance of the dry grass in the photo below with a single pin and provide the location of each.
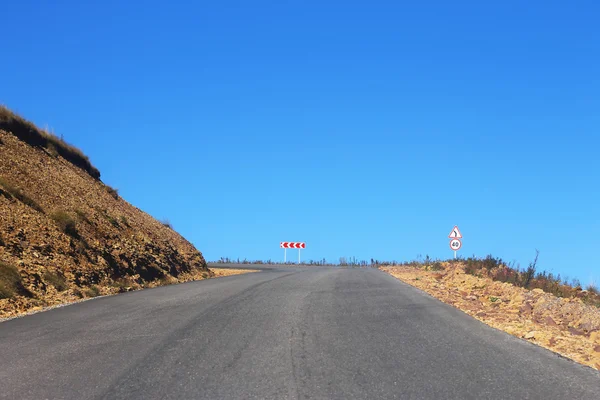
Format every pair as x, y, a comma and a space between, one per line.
228, 272
58, 281
65, 223
10, 282
34, 136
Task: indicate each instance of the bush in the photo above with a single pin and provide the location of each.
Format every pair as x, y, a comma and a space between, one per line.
13, 191
82, 216
529, 273
65, 223
92, 291
167, 223
10, 282
56, 280
32, 135
113, 192
124, 221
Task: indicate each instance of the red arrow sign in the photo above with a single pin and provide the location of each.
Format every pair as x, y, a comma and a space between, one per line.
292, 245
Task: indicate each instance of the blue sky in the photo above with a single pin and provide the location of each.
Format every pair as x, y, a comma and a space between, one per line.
366, 129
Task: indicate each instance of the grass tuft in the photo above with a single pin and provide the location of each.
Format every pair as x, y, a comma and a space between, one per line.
56, 280
113, 192
66, 223
10, 282
167, 223
92, 291
13, 191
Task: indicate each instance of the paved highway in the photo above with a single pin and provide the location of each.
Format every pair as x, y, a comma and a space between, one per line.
283, 333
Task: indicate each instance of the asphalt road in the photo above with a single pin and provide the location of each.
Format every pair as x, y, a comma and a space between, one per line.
283, 333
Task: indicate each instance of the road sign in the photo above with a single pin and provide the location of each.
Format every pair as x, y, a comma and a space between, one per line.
455, 244
292, 245
455, 234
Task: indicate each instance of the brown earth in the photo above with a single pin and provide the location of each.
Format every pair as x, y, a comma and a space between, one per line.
64, 235
566, 326
227, 271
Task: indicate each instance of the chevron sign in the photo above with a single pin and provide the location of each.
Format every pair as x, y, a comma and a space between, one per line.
292, 245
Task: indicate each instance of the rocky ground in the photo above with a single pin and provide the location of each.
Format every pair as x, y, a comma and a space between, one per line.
64, 235
566, 326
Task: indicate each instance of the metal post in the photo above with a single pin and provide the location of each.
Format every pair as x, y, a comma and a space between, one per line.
284, 255
298, 256
455, 254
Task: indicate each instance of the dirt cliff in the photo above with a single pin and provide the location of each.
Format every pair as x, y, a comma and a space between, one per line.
64, 235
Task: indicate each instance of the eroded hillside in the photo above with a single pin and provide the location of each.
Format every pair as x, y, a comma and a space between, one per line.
64, 235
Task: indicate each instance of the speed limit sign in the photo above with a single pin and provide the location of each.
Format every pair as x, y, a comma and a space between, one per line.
455, 244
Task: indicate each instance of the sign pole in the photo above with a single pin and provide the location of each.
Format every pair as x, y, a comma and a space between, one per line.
298, 256
284, 255
455, 254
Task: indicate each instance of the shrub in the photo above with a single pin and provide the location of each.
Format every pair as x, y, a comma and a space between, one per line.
437, 266
65, 223
113, 221
10, 282
113, 192
167, 223
18, 194
124, 221
529, 273
56, 280
92, 291
82, 216
32, 135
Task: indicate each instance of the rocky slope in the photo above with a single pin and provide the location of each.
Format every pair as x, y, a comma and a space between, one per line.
564, 325
64, 235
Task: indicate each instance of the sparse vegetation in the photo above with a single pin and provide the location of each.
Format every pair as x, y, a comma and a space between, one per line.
10, 282
124, 221
32, 135
82, 216
10, 191
56, 280
113, 192
167, 223
92, 291
113, 221
65, 223
528, 278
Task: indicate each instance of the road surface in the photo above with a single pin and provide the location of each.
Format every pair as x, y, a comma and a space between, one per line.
282, 333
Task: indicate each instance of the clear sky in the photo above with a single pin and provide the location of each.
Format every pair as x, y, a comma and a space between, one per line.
364, 128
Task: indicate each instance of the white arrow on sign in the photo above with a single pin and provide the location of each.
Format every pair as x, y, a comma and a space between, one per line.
455, 234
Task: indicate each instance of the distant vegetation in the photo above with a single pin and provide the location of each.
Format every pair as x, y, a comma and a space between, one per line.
343, 262
494, 268
32, 135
